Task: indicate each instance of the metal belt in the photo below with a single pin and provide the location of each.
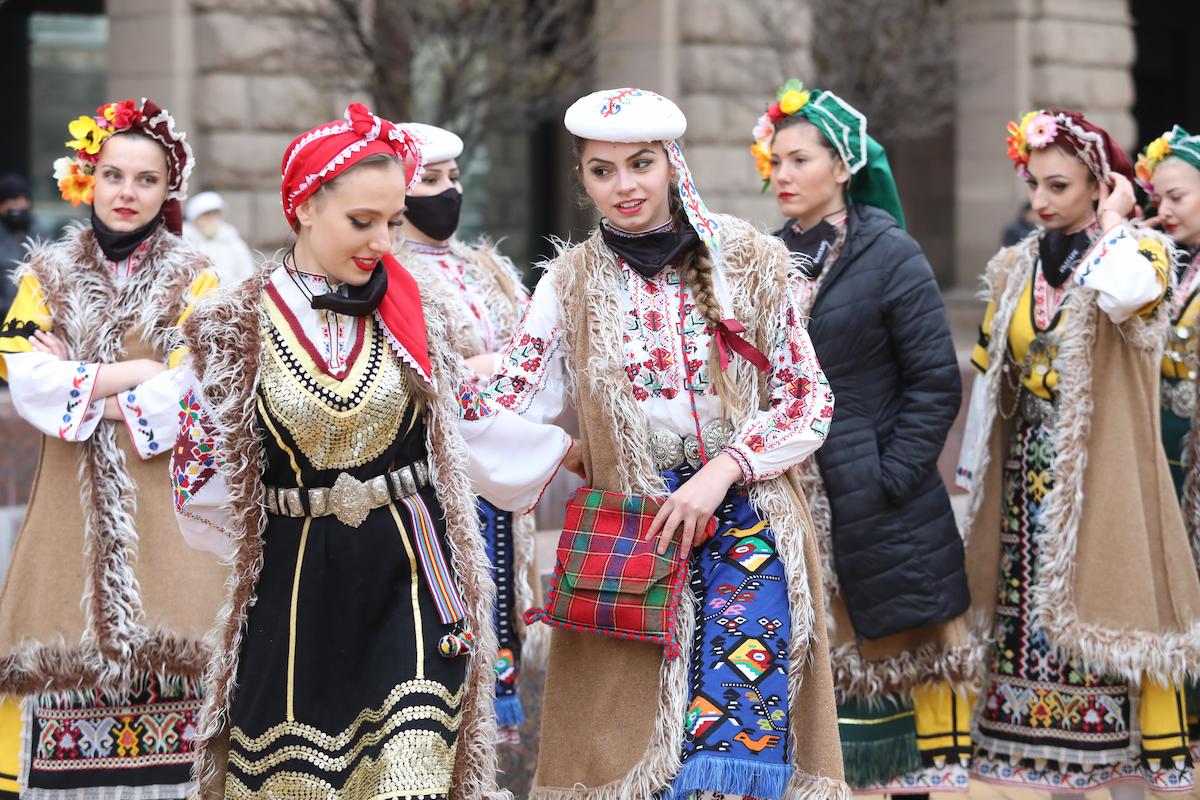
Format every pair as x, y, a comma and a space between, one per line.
671, 451
1178, 397
1037, 409
349, 499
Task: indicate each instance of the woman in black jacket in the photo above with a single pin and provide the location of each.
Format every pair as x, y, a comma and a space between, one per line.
894, 556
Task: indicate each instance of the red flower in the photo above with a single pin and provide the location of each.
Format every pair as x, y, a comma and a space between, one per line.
668, 393
120, 115
756, 443
775, 113
640, 393
531, 364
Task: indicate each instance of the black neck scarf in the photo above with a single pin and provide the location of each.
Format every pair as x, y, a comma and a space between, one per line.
117, 245
651, 252
816, 243
358, 301
1060, 252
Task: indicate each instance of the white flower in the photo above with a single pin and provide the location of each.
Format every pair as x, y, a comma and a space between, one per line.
763, 129
62, 168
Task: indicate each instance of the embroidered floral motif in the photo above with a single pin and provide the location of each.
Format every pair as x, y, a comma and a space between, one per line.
524, 364
193, 461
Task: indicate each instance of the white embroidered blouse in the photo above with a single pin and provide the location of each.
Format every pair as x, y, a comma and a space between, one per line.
666, 345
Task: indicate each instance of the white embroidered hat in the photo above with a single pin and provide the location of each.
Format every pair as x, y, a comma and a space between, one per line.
625, 115
437, 144
639, 115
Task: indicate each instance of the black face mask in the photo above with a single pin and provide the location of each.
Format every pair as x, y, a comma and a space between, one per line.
816, 243
1060, 252
358, 301
649, 253
17, 219
117, 245
436, 216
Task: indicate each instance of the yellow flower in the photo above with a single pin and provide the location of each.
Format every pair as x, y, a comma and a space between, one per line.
1159, 149
88, 135
792, 101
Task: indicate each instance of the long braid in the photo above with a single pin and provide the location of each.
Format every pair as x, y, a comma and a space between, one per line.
697, 269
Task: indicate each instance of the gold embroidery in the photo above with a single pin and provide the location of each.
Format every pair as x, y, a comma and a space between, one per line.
329, 763
415, 764
336, 424
291, 678
368, 715
412, 582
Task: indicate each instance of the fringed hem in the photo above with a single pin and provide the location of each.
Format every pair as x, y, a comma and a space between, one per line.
807, 787
509, 713
872, 763
730, 776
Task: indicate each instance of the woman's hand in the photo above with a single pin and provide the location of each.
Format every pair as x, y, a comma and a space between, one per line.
1118, 200
46, 342
573, 460
122, 375
691, 506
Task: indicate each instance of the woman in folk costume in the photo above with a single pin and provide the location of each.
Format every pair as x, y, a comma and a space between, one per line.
1079, 566
1169, 170
894, 570
484, 298
675, 334
320, 449
104, 607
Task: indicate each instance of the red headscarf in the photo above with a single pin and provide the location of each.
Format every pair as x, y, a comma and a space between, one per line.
316, 158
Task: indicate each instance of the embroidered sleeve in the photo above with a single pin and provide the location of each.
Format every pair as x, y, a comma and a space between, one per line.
151, 412
973, 442
530, 378
979, 356
55, 396
28, 313
206, 283
197, 485
512, 414
1129, 275
800, 406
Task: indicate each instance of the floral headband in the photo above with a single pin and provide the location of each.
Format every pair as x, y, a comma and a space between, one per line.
1176, 142
76, 176
1039, 129
871, 181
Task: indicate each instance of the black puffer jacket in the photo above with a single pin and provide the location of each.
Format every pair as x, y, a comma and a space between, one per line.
880, 330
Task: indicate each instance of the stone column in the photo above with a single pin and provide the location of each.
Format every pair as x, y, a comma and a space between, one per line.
150, 54
1013, 56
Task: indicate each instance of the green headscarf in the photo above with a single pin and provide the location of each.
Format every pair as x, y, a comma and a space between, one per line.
1176, 143
871, 181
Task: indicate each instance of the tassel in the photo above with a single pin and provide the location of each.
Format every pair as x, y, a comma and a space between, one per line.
455, 644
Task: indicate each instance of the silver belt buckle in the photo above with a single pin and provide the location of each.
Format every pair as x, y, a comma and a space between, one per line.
669, 450
1179, 397
350, 500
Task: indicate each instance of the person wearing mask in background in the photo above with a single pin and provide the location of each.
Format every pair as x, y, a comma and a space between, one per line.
1020, 227
485, 298
206, 229
17, 228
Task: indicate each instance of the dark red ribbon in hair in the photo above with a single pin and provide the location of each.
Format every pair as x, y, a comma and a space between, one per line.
728, 338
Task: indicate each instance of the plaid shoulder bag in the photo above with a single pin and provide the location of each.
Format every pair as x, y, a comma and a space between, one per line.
607, 580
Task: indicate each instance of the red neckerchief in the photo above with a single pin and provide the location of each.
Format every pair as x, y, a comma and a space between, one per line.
404, 317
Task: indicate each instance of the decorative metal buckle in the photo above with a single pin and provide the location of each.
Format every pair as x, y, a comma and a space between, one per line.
350, 500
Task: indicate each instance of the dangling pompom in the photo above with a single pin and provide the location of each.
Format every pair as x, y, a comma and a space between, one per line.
455, 644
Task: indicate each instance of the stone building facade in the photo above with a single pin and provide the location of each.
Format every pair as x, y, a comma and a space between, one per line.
236, 73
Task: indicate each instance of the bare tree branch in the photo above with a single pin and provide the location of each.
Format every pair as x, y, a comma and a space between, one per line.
892, 59
469, 65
